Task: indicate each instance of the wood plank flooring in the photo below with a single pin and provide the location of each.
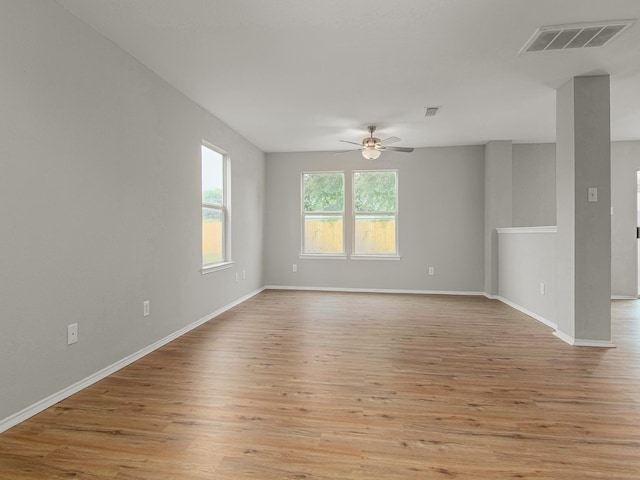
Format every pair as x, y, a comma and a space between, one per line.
317, 385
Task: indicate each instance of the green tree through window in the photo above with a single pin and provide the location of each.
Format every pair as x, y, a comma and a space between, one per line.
374, 191
323, 192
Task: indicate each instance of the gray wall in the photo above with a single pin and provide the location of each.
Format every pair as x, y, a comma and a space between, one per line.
528, 259
534, 202
498, 162
99, 200
534, 185
440, 222
534, 171
625, 162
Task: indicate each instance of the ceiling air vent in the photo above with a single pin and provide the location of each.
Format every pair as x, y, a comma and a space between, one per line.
583, 35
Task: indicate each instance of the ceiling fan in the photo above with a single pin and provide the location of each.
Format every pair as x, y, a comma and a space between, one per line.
372, 147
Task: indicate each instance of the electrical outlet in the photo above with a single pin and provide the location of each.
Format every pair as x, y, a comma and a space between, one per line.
145, 308
431, 271
244, 274
542, 288
237, 278
72, 333
294, 269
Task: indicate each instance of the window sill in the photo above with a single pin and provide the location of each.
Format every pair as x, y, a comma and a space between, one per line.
319, 256
375, 257
216, 267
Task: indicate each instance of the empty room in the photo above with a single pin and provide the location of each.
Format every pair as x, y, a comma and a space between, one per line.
284, 239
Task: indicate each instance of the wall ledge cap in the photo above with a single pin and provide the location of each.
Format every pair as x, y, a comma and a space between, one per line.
521, 230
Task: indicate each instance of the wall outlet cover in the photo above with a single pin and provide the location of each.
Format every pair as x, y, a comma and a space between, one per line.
72, 333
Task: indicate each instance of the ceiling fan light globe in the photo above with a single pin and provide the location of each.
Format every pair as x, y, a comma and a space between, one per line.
371, 153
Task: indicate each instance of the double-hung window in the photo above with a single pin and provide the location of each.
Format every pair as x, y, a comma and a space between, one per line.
323, 213
215, 208
375, 212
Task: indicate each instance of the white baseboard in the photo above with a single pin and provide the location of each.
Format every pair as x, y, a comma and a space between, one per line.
540, 318
371, 290
576, 342
51, 400
624, 297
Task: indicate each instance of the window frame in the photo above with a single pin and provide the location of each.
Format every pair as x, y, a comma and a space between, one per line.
223, 208
304, 213
374, 256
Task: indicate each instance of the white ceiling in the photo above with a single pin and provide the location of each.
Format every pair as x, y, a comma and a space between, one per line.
298, 75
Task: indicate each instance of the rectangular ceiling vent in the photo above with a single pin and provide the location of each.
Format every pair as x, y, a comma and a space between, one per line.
582, 35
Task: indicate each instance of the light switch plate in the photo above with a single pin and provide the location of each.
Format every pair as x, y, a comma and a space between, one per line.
593, 194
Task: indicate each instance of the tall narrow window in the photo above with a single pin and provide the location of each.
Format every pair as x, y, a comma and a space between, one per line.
323, 213
215, 216
375, 210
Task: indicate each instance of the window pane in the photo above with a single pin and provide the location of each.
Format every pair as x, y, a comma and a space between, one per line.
323, 192
212, 235
323, 234
375, 234
212, 176
374, 191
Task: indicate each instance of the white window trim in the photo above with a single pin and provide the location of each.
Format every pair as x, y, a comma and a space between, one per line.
366, 256
216, 267
320, 256
354, 214
303, 213
225, 209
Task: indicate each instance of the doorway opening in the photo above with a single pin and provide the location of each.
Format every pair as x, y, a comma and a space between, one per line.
638, 228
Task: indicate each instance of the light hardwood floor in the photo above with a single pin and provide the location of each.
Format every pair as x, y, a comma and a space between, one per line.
317, 385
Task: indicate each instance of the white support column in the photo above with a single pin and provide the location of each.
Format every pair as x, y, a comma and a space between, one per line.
583, 196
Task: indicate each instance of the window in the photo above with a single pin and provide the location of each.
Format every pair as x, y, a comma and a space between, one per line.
215, 213
375, 212
373, 228
323, 213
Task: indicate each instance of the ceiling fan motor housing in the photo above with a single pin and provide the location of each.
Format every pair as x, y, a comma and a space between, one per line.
370, 142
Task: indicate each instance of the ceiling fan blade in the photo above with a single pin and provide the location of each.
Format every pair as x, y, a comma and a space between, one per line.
399, 149
354, 143
390, 140
338, 152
